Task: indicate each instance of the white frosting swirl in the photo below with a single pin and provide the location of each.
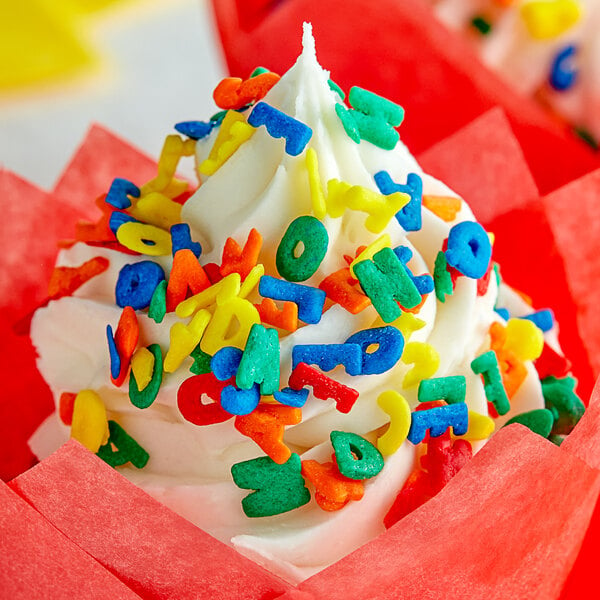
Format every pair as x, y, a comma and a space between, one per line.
261, 186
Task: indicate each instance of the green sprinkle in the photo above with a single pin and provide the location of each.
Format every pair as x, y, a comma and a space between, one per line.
260, 361
356, 458
560, 398
350, 126
451, 389
385, 281
556, 439
481, 24
258, 71
278, 488
219, 116
127, 449
158, 304
311, 233
334, 87
201, 361
540, 421
442, 279
487, 366
145, 397
376, 117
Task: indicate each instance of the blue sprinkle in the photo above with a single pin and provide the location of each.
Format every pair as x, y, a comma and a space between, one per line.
437, 420
195, 130
423, 283
503, 312
280, 125
136, 284
469, 249
310, 300
409, 216
225, 363
118, 192
240, 402
290, 397
562, 73
544, 319
328, 356
115, 359
390, 346
181, 239
118, 218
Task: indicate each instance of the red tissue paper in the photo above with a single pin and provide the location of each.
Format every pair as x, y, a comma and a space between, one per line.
38, 561
504, 527
398, 49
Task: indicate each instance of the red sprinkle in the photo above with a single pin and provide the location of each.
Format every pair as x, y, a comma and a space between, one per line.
552, 363
190, 402
323, 387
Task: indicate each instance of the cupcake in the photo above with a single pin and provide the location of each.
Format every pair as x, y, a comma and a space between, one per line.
306, 348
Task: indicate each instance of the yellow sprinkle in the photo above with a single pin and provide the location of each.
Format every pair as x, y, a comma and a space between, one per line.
314, 181
145, 239
380, 208
222, 291
157, 209
234, 131
524, 338
480, 427
548, 19
425, 359
90, 425
184, 338
395, 405
142, 366
251, 280
383, 241
173, 149
230, 325
407, 323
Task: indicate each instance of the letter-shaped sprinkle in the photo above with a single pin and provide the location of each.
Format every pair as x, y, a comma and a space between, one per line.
486, 365
260, 361
409, 216
386, 282
278, 488
437, 420
469, 249
280, 125
356, 457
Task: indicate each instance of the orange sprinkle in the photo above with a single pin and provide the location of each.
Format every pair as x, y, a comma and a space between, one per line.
342, 288
512, 369
332, 490
444, 207
126, 339
266, 425
236, 260
186, 275
233, 93
286, 318
65, 280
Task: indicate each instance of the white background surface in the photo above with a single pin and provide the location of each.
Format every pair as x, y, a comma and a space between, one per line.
159, 62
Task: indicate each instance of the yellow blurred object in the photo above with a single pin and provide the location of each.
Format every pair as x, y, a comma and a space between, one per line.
547, 19
44, 40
